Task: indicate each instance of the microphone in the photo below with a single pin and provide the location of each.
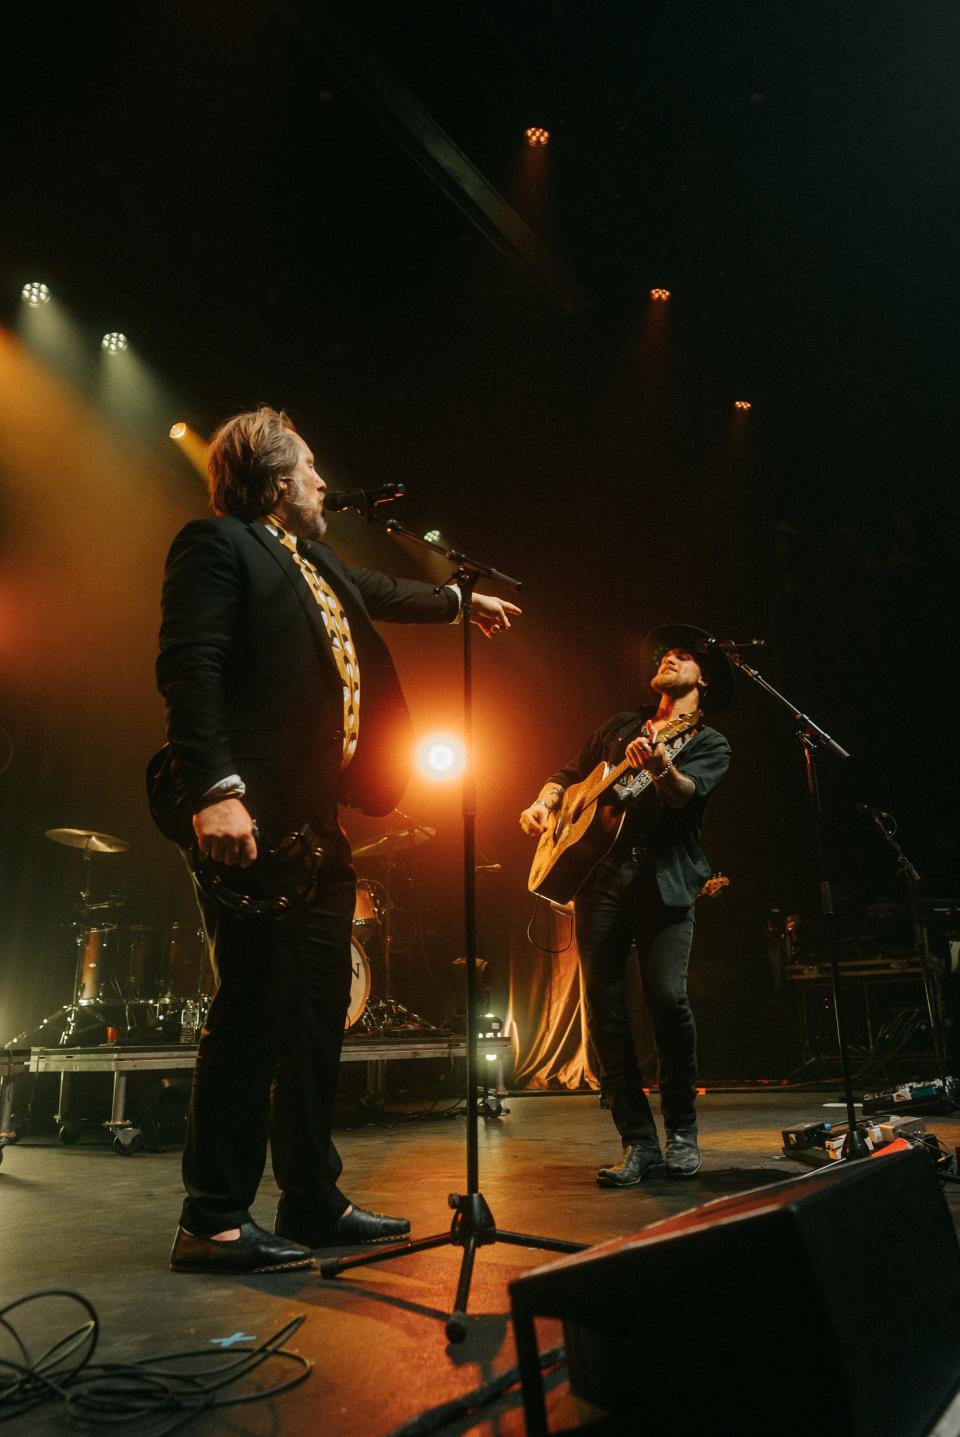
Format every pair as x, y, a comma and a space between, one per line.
362, 499
709, 646
873, 812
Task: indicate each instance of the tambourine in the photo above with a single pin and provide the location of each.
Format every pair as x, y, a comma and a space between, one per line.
284, 877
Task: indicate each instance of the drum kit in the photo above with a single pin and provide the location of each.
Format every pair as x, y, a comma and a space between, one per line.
132, 983
374, 1010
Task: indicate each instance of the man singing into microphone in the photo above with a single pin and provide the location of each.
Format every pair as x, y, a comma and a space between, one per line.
643, 893
281, 700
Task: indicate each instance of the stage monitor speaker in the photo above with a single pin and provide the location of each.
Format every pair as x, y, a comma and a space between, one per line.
827, 1304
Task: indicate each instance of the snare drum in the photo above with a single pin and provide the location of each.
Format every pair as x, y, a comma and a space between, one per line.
97, 975
359, 984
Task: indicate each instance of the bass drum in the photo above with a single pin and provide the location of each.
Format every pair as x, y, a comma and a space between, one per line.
359, 984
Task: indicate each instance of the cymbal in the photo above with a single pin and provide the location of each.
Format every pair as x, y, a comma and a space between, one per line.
87, 840
396, 842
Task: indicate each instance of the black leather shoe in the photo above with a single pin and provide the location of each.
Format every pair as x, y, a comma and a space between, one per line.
255, 1250
683, 1155
638, 1162
352, 1228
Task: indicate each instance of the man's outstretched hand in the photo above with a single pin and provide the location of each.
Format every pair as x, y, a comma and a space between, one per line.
492, 615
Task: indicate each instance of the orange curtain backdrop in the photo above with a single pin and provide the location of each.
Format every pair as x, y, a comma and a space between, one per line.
545, 1015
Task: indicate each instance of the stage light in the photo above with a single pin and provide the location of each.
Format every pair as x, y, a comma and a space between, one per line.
743, 404
177, 431
114, 342
433, 536
441, 757
490, 1057
536, 137
661, 295
35, 293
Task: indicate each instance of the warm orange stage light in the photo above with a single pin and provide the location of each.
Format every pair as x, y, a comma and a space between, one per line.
191, 446
743, 404
441, 756
661, 295
536, 136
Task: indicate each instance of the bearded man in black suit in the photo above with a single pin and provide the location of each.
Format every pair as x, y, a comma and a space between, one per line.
281, 702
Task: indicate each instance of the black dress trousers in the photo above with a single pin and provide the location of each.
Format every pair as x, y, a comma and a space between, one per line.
269, 1057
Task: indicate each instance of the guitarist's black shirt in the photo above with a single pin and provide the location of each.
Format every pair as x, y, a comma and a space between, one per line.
672, 833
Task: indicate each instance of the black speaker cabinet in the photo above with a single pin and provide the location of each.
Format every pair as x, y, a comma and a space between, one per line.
829, 1303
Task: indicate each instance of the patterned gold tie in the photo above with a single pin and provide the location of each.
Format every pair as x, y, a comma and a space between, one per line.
337, 626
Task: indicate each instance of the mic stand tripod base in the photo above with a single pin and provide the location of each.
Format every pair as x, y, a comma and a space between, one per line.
473, 1226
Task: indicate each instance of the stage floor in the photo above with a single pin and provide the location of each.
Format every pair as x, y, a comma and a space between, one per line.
85, 1219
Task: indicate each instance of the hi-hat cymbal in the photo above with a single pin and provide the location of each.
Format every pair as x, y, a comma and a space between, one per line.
396, 842
87, 840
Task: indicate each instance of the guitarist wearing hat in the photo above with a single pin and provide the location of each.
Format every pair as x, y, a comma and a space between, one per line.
629, 810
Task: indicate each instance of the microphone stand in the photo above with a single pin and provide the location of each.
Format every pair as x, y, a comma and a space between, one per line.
811, 738
473, 1224
921, 941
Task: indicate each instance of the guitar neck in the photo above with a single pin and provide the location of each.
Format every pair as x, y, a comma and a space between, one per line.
667, 735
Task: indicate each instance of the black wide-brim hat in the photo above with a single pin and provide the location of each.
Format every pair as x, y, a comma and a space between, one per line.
715, 666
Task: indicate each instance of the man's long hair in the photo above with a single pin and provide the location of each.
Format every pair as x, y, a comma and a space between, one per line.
249, 454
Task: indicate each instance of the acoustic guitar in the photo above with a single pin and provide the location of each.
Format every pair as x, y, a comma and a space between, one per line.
585, 826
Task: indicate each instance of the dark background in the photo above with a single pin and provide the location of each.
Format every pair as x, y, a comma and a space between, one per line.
214, 181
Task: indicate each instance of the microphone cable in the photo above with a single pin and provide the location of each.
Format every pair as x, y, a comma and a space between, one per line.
152, 1394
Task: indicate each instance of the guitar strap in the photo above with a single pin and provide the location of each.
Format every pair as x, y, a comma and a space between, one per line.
630, 787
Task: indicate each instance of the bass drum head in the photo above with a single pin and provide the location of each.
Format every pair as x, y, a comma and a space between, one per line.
359, 983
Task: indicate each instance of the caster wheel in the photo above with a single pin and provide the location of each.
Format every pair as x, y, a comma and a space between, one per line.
70, 1133
125, 1146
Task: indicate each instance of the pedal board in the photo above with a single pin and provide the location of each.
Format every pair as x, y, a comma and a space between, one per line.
821, 1143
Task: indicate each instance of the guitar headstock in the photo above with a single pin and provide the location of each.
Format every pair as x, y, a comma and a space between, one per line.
715, 884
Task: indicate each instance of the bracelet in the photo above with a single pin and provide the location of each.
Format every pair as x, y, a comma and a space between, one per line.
664, 773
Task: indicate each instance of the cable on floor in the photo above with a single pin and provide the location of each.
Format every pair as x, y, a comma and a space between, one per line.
152, 1394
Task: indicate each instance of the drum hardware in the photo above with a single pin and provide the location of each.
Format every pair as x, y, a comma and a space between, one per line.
186, 984
97, 1000
376, 915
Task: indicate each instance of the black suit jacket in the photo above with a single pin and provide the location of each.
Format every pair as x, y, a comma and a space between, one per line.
251, 685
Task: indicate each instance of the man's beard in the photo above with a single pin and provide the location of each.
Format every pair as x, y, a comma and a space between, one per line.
308, 522
670, 686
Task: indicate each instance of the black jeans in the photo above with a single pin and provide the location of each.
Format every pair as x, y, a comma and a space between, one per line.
621, 905
268, 1060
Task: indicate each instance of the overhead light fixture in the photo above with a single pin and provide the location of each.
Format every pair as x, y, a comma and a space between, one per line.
178, 430
742, 404
662, 295
114, 342
35, 292
536, 136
